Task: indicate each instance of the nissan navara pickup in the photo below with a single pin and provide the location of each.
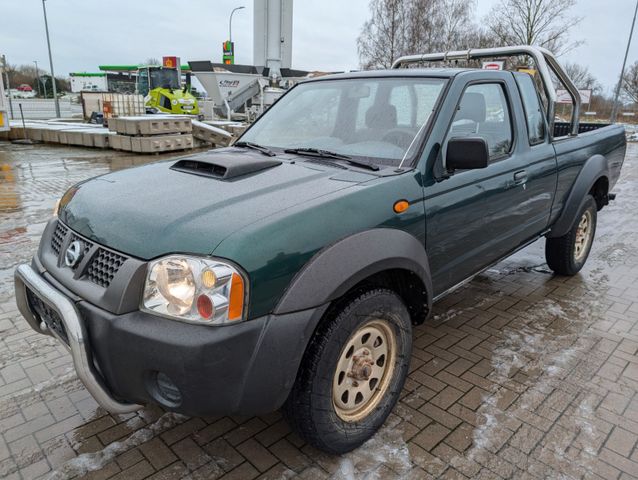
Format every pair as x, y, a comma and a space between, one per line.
289, 270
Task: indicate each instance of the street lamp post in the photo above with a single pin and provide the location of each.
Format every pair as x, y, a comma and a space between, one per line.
230, 23
6, 75
55, 91
614, 109
37, 78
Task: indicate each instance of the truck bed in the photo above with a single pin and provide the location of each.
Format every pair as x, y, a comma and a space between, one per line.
572, 152
562, 129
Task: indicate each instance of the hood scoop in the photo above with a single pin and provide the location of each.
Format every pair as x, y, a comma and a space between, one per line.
224, 165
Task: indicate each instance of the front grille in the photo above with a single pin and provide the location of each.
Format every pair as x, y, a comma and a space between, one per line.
46, 314
104, 266
58, 237
86, 245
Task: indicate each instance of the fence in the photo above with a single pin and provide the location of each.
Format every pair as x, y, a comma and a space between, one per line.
43, 108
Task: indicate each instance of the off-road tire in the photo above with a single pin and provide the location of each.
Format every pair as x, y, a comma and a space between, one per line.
561, 252
310, 408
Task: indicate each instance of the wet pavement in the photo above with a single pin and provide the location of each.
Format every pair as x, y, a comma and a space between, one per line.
520, 374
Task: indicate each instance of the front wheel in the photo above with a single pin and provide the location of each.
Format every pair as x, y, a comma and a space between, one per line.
352, 373
566, 255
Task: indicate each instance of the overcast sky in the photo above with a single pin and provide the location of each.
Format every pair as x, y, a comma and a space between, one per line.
88, 33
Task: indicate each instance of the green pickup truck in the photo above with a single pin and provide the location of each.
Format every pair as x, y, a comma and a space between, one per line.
288, 270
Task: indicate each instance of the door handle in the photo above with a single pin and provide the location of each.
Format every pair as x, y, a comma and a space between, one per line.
520, 177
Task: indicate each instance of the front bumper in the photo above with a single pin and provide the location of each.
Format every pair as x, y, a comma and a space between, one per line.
247, 368
27, 277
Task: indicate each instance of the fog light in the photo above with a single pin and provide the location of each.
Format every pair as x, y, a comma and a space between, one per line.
167, 390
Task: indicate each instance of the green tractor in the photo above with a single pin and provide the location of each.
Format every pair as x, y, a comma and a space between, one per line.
163, 93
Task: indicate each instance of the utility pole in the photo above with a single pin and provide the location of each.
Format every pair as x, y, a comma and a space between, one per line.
6, 76
37, 78
614, 111
55, 91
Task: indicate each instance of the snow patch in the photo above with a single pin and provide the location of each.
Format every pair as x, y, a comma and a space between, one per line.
89, 462
387, 448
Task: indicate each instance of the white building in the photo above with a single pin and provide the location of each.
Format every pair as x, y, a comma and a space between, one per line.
88, 82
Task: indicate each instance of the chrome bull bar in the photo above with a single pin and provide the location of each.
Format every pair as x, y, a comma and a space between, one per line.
27, 277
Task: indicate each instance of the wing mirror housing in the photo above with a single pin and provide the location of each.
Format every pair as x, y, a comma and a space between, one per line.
466, 153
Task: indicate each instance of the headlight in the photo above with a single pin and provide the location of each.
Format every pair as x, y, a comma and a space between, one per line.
174, 102
197, 290
56, 209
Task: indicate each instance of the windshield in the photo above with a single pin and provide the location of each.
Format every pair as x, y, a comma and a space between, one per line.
164, 78
375, 118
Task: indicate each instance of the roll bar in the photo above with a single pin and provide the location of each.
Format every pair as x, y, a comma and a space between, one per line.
544, 59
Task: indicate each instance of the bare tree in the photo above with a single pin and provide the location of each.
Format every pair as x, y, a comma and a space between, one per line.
630, 83
582, 78
544, 23
151, 61
402, 27
382, 38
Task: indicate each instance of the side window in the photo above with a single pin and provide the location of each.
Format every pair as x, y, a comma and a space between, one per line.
165, 102
533, 110
484, 112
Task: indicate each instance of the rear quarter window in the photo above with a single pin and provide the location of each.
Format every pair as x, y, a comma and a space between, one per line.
534, 114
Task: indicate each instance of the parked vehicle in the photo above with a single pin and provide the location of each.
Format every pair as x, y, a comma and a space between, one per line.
289, 269
163, 93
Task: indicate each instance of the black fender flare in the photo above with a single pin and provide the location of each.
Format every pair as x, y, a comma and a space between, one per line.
594, 168
337, 268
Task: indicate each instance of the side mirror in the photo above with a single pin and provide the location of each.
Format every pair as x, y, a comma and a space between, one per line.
466, 153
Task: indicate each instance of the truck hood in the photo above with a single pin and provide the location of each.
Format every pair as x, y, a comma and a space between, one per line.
157, 209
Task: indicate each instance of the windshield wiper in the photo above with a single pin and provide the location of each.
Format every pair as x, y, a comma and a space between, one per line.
254, 146
317, 152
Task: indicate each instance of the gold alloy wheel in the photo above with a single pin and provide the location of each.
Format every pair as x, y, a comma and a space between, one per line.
364, 370
584, 234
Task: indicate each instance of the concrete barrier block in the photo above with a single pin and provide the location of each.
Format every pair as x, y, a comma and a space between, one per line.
50, 135
35, 134
211, 134
73, 136
150, 125
161, 143
120, 142
101, 139
165, 125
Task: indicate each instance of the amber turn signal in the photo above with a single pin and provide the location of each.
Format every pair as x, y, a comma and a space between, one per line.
401, 206
236, 301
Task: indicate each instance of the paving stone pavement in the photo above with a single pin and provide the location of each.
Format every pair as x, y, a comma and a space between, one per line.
520, 374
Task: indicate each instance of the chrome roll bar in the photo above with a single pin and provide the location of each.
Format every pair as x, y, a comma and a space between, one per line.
543, 58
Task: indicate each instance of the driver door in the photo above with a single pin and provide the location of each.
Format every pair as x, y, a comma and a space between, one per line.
471, 216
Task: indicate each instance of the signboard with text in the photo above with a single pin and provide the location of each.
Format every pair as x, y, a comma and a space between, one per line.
170, 62
229, 52
562, 96
494, 65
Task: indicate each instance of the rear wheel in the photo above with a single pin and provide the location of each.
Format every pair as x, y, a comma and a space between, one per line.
566, 255
352, 373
